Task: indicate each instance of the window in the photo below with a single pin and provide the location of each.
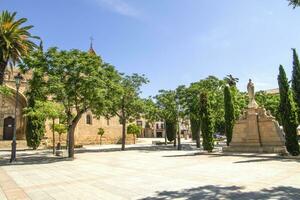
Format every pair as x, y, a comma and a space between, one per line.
157, 126
162, 126
88, 119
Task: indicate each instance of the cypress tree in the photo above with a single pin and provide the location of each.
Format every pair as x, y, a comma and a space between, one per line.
35, 128
288, 114
229, 114
296, 82
171, 129
206, 123
195, 128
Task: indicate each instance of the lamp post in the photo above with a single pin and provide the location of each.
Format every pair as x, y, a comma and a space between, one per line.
18, 79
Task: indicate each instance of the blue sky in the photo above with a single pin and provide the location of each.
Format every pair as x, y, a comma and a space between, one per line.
173, 42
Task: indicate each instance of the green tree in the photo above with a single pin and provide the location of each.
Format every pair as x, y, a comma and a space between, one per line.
15, 40
270, 102
171, 130
126, 102
192, 94
288, 114
100, 133
296, 82
166, 102
229, 114
60, 129
79, 81
231, 81
134, 130
213, 87
206, 123
51, 110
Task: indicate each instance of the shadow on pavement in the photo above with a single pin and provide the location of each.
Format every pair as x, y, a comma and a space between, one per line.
46, 157
139, 148
258, 157
231, 192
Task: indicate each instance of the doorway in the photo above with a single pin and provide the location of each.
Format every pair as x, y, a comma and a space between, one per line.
8, 129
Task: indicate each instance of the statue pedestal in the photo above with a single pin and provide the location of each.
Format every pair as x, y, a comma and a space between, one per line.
257, 132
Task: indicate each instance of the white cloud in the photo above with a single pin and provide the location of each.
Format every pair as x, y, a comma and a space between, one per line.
118, 6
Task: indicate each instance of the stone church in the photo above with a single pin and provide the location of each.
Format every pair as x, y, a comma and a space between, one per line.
86, 130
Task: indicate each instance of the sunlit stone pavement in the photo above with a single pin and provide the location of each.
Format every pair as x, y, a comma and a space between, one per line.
148, 172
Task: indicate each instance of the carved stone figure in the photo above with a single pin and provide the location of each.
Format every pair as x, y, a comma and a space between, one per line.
251, 94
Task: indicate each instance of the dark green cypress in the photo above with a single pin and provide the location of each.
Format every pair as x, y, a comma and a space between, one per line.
229, 114
206, 123
288, 114
195, 128
296, 82
171, 129
35, 127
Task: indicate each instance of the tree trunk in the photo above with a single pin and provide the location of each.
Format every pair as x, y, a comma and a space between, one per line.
133, 138
2, 70
198, 142
53, 135
123, 134
100, 140
165, 132
179, 142
71, 129
175, 141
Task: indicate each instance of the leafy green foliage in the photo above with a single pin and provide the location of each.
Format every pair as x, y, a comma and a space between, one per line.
35, 128
296, 82
171, 130
5, 91
229, 114
166, 102
270, 102
213, 87
60, 129
125, 100
100, 131
77, 80
151, 111
231, 81
133, 129
15, 40
206, 123
288, 114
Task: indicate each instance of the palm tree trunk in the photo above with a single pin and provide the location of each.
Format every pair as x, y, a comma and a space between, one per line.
3, 65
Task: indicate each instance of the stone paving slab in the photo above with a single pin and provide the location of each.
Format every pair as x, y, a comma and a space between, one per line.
156, 173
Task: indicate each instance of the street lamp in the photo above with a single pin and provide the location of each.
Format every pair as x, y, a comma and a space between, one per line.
18, 79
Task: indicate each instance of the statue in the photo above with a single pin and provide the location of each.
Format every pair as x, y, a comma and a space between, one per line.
251, 94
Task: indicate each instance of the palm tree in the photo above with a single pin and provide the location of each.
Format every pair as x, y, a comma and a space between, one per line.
231, 81
15, 41
294, 3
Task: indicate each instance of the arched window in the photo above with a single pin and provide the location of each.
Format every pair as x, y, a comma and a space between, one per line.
88, 119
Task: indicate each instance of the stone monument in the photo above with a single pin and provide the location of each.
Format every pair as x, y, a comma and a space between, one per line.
257, 131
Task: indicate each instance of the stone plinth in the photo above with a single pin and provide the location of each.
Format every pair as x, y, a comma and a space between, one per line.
257, 132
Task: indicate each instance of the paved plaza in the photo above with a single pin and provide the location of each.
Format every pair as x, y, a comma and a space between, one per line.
148, 172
